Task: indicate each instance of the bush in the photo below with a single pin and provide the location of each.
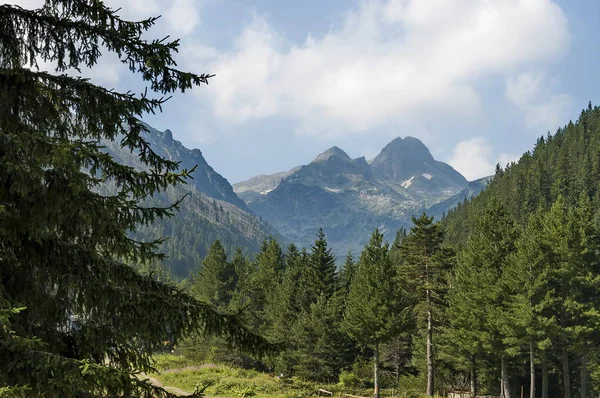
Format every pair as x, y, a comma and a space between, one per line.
349, 379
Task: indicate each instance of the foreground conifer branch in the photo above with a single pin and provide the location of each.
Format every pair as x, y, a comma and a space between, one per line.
75, 319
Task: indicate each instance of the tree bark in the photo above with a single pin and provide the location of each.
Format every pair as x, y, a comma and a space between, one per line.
566, 374
584, 374
376, 372
544, 376
531, 368
474, 386
505, 380
430, 370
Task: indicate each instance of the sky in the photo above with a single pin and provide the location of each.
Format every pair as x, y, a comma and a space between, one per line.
478, 81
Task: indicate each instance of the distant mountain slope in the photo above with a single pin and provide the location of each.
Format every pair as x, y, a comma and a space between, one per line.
349, 198
473, 189
210, 211
252, 189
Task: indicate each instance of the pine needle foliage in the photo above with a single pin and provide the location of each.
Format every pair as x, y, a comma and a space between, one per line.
75, 319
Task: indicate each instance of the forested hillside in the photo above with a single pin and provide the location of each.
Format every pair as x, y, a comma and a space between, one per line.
564, 164
210, 210
526, 290
502, 295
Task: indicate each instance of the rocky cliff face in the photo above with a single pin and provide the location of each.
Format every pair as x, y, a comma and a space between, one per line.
473, 188
210, 211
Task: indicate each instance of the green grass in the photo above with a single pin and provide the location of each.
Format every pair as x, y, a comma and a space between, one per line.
226, 381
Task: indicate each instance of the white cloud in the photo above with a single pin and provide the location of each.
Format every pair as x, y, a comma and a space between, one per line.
528, 91
183, 16
388, 62
474, 158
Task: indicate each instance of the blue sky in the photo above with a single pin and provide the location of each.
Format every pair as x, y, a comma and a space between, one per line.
477, 80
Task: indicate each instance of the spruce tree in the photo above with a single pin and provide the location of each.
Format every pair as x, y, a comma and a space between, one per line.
322, 349
374, 311
216, 280
75, 320
266, 275
424, 268
322, 276
482, 263
346, 274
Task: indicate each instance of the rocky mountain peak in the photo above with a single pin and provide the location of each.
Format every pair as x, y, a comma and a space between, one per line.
333, 151
404, 148
167, 137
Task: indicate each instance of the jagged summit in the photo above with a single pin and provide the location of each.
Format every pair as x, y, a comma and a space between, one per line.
405, 150
407, 160
333, 151
350, 197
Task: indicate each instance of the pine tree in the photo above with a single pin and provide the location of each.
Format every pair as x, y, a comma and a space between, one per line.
322, 276
374, 311
322, 349
346, 274
266, 275
522, 276
75, 321
424, 267
216, 280
486, 255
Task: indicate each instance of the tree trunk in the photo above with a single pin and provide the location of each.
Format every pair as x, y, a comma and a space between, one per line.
376, 372
531, 368
474, 389
544, 376
505, 381
430, 380
566, 374
584, 374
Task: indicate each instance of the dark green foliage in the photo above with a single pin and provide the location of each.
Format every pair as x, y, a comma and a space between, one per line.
74, 319
374, 311
217, 278
535, 282
422, 271
322, 349
321, 278
374, 320
477, 314
566, 163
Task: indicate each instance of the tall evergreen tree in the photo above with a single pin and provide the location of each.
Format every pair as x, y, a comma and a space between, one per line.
374, 311
322, 349
216, 280
75, 321
266, 275
483, 261
347, 273
321, 278
424, 267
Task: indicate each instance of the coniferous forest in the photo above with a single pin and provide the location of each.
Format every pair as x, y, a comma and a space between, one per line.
499, 298
503, 293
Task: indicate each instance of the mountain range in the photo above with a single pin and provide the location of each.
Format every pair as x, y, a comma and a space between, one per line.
349, 198
211, 209
346, 197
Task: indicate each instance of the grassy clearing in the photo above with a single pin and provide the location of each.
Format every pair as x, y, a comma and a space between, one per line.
225, 381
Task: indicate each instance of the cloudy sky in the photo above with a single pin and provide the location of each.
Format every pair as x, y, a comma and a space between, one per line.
476, 80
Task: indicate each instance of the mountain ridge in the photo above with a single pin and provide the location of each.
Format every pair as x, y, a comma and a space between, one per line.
211, 209
349, 198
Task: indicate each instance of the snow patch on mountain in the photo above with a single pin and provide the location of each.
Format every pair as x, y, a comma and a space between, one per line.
408, 182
